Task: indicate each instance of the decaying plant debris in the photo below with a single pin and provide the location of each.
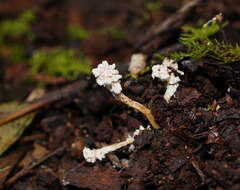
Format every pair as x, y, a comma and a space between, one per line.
197, 143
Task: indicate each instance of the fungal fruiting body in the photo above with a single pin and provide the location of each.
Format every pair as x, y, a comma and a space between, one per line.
109, 77
137, 63
166, 73
92, 155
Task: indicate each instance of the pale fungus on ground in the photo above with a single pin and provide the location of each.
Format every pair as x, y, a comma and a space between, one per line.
109, 77
92, 155
166, 73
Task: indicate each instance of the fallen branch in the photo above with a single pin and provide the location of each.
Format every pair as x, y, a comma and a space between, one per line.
46, 100
26, 170
172, 22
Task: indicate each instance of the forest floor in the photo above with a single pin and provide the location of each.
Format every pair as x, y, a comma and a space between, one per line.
197, 146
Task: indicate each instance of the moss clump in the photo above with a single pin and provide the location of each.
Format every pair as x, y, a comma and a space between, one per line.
200, 42
59, 63
16, 34
19, 26
16, 29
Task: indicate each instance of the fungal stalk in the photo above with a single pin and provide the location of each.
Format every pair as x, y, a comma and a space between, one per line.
92, 155
109, 77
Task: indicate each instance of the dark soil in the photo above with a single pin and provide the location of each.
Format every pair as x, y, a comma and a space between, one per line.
197, 146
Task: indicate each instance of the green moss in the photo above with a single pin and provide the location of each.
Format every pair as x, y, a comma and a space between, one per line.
19, 29
78, 33
19, 26
59, 63
200, 42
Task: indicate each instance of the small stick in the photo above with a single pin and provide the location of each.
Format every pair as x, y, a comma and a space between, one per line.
13, 116
26, 170
199, 171
171, 22
46, 100
131, 103
31, 138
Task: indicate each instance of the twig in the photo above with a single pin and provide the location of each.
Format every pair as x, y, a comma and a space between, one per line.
172, 22
31, 138
23, 112
199, 171
46, 100
27, 169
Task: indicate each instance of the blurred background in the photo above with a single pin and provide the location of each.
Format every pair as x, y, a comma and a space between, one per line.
53, 42
48, 49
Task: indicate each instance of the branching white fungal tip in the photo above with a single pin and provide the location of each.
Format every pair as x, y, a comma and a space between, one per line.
107, 76
165, 72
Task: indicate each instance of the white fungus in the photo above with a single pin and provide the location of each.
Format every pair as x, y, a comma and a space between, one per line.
165, 72
161, 72
137, 63
172, 86
107, 76
91, 155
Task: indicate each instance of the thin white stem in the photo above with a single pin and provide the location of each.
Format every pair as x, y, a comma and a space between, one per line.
91, 155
